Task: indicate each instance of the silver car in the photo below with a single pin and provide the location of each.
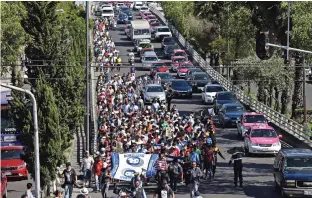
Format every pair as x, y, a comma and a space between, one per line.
152, 91
148, 58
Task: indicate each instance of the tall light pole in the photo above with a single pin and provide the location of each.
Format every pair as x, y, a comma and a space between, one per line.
288, 29
87, 78
35, 119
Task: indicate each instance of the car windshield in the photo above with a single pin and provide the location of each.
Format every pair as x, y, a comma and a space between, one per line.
169, 42
151, 58
151, 17
226, 96
11, 154
163, 30
107, 11
178, 60
265, 133
145, 45
254, 119
201, 77
179, 54
141, 32
165, 76
122, 16
214, 89
158, 65
186, 66
7, 126
155, 89
298, 163
155, 24
142, 8
181, 83
234, 109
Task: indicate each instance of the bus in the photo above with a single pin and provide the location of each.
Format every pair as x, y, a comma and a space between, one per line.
140, 29
9, 134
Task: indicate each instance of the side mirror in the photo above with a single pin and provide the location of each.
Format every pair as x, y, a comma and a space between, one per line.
280, 136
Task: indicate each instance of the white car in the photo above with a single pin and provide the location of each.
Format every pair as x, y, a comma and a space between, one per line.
210, 91
161, 32
137, 5
152, 91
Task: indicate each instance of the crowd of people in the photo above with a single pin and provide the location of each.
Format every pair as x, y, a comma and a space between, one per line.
126, 124
186, 145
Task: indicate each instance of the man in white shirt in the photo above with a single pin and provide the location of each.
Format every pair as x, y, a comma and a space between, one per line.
28, 191
87, 164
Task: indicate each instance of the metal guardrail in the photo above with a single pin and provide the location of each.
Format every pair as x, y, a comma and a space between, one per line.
288, 125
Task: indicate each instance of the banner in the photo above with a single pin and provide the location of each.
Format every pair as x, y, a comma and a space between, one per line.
125, 165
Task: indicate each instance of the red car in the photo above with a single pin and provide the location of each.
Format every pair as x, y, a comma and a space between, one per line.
11, 163
153, 21
176, 60
3, 186
150, 17
160, 67
155, 25
179, 52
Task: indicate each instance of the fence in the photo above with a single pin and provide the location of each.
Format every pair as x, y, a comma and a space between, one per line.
288, 125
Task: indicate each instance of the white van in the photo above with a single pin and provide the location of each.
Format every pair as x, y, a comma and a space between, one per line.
137, 5
107, 11
140, 29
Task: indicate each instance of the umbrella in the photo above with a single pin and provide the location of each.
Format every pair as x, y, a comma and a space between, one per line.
236, 149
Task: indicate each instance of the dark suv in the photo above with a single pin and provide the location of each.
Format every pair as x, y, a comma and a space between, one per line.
293, 172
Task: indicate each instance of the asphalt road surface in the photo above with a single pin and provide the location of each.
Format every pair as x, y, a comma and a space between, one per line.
258, 179
257, 172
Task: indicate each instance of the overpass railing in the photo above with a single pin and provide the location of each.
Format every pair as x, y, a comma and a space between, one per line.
288, 125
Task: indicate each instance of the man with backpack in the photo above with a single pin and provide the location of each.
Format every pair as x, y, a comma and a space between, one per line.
175, 171
70, 178
209, 159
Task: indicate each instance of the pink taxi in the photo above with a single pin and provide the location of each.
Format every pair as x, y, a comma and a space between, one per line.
176, 60
183, 69
179, 52
249, 119
262, 139
144, 15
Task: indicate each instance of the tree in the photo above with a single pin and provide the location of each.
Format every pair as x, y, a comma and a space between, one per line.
301, 37
12, 36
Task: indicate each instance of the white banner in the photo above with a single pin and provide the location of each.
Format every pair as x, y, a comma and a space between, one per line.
125, 165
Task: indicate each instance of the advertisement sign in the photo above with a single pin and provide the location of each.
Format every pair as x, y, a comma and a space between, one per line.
125, 165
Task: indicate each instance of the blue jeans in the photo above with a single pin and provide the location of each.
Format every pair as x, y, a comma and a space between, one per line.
68, 190
87, 174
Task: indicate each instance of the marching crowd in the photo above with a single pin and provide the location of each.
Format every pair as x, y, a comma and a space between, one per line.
186, 145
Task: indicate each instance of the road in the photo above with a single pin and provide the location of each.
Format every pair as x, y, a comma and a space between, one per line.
258, 180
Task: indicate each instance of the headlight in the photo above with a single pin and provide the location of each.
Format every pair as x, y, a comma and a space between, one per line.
277, 144
190, 90
21, 166
290, 182
254, 144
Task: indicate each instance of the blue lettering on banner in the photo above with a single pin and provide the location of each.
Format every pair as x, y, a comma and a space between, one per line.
135, 161
127, 155
129, 173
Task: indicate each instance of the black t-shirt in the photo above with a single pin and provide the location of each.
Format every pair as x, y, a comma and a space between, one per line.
69, 176
164, 192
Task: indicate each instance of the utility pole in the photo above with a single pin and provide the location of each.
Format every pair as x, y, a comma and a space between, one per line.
36, 143
304, 94
87, 78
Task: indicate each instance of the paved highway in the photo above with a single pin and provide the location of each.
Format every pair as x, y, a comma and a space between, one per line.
258, 180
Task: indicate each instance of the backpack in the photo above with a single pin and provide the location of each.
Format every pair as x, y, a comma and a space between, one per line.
210, 156
69, 176
174, 169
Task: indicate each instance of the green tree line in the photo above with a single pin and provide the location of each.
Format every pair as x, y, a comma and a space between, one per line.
53, 34
227, 30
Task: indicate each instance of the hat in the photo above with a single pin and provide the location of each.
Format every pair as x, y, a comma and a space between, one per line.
102, 149
84, 191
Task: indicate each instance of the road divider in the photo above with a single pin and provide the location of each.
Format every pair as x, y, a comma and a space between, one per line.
291, 127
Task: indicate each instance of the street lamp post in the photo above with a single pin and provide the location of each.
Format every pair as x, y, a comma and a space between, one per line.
35, 118
87, 79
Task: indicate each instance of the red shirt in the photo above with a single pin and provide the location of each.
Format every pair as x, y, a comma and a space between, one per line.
97, 167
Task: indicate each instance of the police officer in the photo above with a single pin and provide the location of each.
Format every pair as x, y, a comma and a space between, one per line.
169, 97
237, 157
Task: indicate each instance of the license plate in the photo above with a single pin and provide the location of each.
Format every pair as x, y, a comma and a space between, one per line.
8, 173
265, 149
307, 192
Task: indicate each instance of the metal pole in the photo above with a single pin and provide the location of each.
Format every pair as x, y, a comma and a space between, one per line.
304, 95
87, 77
228, 42
288, 27
290, 48
35, 119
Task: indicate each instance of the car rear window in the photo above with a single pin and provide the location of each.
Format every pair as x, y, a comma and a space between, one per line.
254, 119
155, 89
214, 89
265, 133
298, 162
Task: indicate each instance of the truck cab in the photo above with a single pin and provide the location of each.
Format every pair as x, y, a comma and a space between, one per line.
292, 171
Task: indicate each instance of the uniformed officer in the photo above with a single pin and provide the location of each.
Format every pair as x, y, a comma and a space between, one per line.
169, 97
237, 157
